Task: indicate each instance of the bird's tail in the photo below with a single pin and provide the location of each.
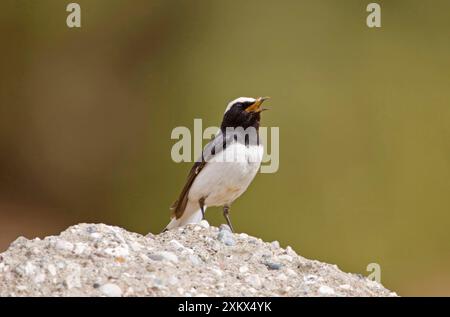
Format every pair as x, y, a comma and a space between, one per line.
192, 214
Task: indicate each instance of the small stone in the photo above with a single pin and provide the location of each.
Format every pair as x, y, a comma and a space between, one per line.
194, 259
285, 257
326, 290
226, 237
291, 272
155, 257
224, 227
282, 277
80, 248
111, 290
169, 256
172, 280
273, 265
119, 251
275, 244
217, 271
95, 235
29, 269
290, 251
345, 287
177, 245
254, 281
204, 224
63, 245
39, 278
243, 269
310, 279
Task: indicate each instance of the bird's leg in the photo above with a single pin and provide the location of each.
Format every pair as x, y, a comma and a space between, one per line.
202, 207
226, 214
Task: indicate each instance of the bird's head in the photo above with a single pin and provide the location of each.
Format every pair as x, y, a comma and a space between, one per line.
243, 112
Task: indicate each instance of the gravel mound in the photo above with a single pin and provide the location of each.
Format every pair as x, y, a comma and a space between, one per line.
197, 260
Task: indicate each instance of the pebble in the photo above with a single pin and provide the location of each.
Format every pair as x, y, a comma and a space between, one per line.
345, 286
326, 290
291, 272
310, 279
194, 259
177, 245
168, 256
204, 224
285, 257
111, 290
275, 244
29, 268
224, 227
273, 265
290, 251
282, 277
226, 237
243, 269
63, 245
217, 271
39, 278
120, 251
254, 281
172, 280
80, 248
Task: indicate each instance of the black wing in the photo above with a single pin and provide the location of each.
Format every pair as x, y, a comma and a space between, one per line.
214, 147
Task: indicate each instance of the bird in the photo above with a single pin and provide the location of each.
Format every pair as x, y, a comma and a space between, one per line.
227, 166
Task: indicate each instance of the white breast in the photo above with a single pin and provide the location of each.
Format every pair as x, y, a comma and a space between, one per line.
227, 175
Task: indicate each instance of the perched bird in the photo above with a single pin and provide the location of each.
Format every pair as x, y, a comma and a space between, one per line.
227, 166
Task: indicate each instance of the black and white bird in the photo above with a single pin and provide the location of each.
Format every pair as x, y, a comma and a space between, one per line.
227, 166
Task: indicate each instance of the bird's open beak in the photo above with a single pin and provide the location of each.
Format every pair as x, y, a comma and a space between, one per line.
256, 107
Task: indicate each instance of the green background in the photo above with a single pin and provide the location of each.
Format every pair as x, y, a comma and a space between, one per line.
86, 116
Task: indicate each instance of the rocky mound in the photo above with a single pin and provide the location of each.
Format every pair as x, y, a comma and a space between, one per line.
197, 260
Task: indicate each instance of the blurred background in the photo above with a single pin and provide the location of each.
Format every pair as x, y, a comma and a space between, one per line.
86, 116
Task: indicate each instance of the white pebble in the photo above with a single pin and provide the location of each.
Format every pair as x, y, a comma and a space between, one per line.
80, 248
290, 251
275, 244
254, 281
326, 290
291, 272
39, 278
285, 257
243, 269
64, 245
282, 277
173, 280
217, 271
310, 279
345, 286
194, 259
111, 290
29, 268
118, 251
169, 256
96, 235
204, 224
177, 245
